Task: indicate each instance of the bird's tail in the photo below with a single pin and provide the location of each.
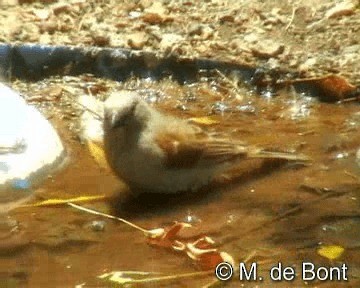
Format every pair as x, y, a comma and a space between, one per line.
266, 154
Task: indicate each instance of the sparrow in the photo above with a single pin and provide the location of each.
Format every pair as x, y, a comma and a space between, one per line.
158, 153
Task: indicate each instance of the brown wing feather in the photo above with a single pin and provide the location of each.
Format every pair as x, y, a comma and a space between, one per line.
185, 151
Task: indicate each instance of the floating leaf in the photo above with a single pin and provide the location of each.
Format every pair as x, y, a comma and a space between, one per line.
166, 237
331, 252
204, 120
97, 152
335, 86
205, 255
56, 202
202, 250
329, 88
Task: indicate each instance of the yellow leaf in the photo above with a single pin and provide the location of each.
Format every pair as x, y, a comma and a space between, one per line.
54, 202
125, 277
204, 120
331, 252
97, 152
132, 278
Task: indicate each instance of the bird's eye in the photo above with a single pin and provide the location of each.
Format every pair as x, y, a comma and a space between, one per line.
123, 119
121, 122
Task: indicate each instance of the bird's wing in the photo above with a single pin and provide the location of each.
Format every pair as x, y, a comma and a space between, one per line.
185, 150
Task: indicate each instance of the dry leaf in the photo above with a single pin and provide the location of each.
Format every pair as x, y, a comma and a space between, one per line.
341, 9
56, 202
166, 237
202, 250
204, 120
97, 152
335, 86
205, 256
329, 88
331, 252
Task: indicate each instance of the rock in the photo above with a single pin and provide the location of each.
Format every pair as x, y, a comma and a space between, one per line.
61, 7
137, 40
195, 29
48, 26
251, 38
156, 14
308, 64
203, 31
169, 40
157, 8
267, 49
101, 40
9, 2
342, 9
41, 14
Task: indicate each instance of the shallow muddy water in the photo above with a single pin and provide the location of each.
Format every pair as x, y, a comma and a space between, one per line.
270, 210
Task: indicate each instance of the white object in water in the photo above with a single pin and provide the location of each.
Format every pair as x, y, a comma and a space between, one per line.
29, 145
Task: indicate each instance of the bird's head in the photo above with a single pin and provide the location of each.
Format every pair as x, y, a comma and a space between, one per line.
125, 110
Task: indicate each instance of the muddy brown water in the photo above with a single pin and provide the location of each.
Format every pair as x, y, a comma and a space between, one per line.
277, 212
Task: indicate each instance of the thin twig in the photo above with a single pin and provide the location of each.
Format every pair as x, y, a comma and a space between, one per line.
97, 115
350, 99
108, 216
355, 177
229, 82
291, 19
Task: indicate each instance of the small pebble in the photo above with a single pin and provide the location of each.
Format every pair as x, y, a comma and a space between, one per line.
98, 225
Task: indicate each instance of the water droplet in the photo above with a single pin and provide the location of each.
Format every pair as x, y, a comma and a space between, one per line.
341, 155
230, 218
250, 109
327, 227
181, 107
268, 93
353, 122
220, 107
191, 218
151, 97
189, 97
300, 108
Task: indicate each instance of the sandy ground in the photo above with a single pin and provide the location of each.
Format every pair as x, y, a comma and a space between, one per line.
315, 37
